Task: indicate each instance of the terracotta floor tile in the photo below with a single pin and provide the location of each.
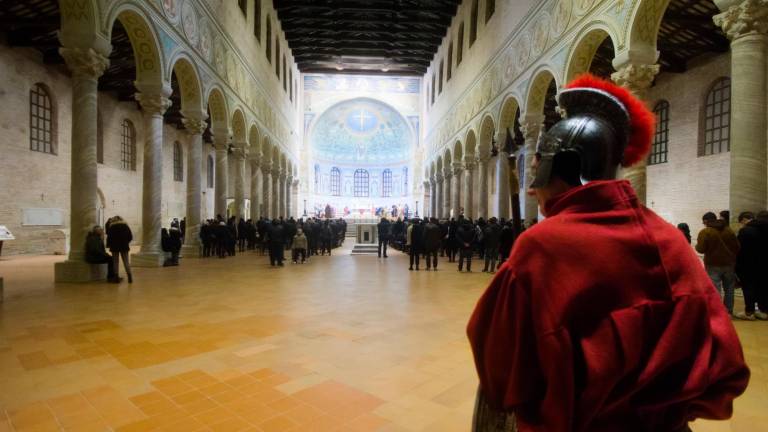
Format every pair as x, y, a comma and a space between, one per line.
34, 360
172, 386
213, 416
148, 398
31, 415
278, 424
231, 425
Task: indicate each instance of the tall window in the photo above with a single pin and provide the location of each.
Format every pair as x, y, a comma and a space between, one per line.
210, 172
335, 182
268, 39
450, 61
128, 146
405, 181
362, 184
99, 138
257, 19
277, 57
440, 81
433, 89
386, 183
178, 162
285, 76
460, 45
473, 24
243, 6
41, 120
717, 119
290, 80
661, 137
490, 8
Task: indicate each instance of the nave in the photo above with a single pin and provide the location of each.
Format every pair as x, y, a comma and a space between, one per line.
341, 343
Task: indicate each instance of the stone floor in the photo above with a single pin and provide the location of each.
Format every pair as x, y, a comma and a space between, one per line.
341, 343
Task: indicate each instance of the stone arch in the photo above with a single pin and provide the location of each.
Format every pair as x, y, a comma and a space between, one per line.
189, 83
283, 162
439, 165
254, 140
487, 130
458, 151
238, 128
447, 159
144, 41
583, 51
508, 111
470, 144
217, 104
643, 27
537, 91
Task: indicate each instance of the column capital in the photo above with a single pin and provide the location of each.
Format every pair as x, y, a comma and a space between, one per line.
457, 167
469, 164
240, 152
749, 17
194, 126
85, 63
530, 126
482, 159
154, 103
635, 77
295, 182
439, 178
427, 184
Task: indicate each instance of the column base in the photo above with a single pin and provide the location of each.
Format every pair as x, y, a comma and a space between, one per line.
147, 259
190, 250
79, 272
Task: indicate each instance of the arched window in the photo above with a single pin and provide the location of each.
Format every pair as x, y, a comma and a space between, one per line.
335, 182
128, 146
268, 40
717, 119
460, 45
490, 8
440, 81
450, 61
178, 162
42, 124
386, 183
243, 7
257, 19
405, 181
433, 89
473, 24
277, 57
99, 138
362, 184
210, 171
661, 137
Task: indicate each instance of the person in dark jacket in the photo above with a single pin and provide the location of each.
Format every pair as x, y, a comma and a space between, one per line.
415, 240
299, 245
466, 235
242, 235
751, 265
326, 238
171, 243
276, 238
223, 239
686, 230
491, 238
433, 240
720, 247
206, 238
385, 230
95, 253
119, 237
506, 241
451, 243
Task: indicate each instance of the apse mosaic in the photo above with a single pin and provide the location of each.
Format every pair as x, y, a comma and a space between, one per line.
362, 131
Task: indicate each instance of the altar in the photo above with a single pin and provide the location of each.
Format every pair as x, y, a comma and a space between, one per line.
367, 233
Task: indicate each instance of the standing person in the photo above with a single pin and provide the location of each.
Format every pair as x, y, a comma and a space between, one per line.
719, 245
205, 238
751, 265
491, 238
276, 243
119, 237
602, 319
415, 240
466, 235
299, 245
223, 239
433, 239
326, 238
506, 240
452, 243
385, 230
686, 230
95, 253
242, 235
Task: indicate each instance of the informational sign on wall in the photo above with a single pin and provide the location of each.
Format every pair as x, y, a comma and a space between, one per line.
5, 234
42, 217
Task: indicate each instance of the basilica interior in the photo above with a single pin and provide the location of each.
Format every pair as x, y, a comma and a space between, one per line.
162, 111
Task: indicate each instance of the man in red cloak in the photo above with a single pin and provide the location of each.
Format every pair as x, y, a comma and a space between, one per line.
603, 318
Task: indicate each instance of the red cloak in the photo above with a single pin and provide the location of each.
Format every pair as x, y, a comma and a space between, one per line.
603, 319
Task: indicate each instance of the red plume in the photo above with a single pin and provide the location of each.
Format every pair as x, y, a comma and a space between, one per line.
642, 120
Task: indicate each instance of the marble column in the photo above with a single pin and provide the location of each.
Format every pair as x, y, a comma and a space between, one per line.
458, 168
256, 189
530, 127
746, 25
440, 197
87, 66
275, 202
220, 143
447, 178
288, 196
195, 126
432, 197
482, 178
502, 181
425, 199
469, 211
266, 200
154, 105
240, 158
637, 78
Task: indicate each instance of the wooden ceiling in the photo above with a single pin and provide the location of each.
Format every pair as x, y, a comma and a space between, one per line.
365, 36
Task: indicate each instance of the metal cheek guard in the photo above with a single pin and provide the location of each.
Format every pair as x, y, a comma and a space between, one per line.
547, 147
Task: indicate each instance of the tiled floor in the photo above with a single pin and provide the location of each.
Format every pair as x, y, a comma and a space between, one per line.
342, 343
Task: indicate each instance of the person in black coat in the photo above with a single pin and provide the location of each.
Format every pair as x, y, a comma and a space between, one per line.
506, 241
119, 237
242, 235
452, 244
95, 253
223, 239
171, 243
276, 239
491, 238
751, 265
326, 238
385, 230
317, 234
433, 238
417, 242
466, 235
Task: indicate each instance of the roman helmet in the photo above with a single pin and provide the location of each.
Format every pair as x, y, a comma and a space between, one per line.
604, 124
